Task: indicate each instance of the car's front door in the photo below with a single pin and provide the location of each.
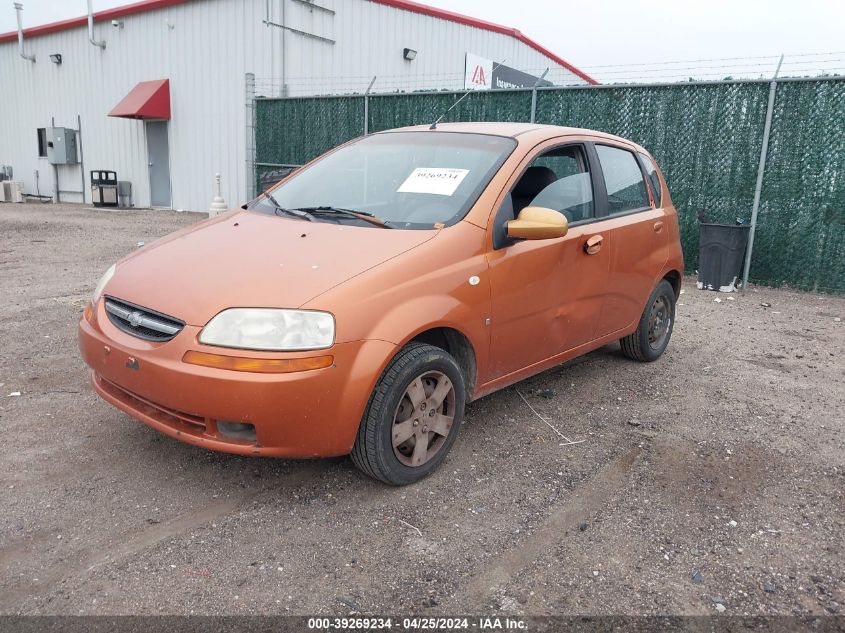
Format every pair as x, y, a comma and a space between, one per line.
546, 294
638, 235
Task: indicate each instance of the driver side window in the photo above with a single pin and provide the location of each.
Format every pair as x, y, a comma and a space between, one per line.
559, 180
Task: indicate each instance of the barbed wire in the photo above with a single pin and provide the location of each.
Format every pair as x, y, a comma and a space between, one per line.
665, 71
365, 78
750, 67
425, 81
711, 59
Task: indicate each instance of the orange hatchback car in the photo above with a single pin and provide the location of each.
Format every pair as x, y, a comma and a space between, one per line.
363, 301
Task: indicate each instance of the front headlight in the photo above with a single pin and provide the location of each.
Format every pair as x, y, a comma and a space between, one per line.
98, 290
270, 329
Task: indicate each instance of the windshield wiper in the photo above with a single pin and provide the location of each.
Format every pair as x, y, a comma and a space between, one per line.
298, 213
361, 215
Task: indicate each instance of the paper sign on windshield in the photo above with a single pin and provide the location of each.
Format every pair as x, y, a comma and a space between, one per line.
438, 180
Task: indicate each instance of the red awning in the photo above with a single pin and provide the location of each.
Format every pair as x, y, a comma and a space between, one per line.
147, 100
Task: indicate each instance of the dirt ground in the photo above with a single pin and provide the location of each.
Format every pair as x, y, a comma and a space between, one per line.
715, 476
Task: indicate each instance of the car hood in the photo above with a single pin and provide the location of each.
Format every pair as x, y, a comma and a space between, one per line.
247, 259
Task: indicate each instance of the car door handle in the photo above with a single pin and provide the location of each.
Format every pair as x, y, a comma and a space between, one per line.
593, 244
658, 226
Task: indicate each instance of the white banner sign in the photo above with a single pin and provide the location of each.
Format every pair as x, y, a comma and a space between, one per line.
478, 73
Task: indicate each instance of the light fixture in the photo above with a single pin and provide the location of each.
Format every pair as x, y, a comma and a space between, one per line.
409, 53
56, 58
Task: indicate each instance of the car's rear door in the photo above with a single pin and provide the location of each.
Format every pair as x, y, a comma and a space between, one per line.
546, 294
639, 236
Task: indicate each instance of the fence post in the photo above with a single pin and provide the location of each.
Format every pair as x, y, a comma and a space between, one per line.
249, 129
534, 95
764, 149
367, 106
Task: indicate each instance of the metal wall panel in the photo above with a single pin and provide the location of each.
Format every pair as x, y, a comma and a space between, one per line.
205, 48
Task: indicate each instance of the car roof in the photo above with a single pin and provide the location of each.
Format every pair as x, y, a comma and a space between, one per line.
520, 131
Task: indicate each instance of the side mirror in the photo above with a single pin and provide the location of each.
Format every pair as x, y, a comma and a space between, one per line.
537, 223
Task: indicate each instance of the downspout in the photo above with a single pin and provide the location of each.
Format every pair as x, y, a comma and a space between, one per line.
101, 43
284, 52
18, 9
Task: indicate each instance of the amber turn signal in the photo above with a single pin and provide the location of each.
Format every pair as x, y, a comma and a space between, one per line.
257, 365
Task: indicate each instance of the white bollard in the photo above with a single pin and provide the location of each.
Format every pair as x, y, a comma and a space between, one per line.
218, 204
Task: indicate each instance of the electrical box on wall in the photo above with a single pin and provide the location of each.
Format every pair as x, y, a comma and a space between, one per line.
61, 146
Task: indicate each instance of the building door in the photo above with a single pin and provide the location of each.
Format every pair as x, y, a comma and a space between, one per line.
158, 158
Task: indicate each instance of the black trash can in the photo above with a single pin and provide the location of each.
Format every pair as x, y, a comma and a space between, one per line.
721, 252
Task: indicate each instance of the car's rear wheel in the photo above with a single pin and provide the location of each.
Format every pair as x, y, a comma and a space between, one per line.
413, 416
648, 342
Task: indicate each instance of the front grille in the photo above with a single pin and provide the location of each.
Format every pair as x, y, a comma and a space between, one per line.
142, 322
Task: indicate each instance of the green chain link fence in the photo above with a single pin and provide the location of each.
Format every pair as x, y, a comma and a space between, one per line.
706, 138
801, 225
293, 131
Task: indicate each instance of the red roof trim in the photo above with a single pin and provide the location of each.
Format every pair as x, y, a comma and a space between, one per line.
99, 16
415, 7
405, 5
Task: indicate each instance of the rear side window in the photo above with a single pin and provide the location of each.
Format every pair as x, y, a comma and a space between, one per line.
624, 180
651, 172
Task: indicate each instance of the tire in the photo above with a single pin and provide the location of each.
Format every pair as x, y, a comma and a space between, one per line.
391, 414
643, 345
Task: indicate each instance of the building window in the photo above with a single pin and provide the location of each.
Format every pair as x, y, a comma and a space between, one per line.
42, 142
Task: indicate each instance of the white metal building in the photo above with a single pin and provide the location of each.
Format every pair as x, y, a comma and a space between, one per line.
188, 128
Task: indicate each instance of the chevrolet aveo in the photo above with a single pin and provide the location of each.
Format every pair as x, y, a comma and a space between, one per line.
363, 301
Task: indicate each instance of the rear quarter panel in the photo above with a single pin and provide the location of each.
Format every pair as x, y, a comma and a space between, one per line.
675, 254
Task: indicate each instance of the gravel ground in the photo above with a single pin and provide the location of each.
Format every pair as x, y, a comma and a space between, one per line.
715, 476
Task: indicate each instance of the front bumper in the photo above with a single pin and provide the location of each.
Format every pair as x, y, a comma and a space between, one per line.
301, 414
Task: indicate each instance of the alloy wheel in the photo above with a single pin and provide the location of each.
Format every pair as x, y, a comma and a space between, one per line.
423, 418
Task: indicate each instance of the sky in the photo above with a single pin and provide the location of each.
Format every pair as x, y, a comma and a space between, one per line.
618, 39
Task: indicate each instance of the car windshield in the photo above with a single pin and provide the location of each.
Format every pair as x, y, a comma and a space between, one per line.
406, 180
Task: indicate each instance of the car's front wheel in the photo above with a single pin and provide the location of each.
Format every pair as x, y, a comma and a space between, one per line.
413, 416
648, 342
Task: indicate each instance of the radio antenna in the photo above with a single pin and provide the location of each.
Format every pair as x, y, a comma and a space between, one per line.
464, 96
